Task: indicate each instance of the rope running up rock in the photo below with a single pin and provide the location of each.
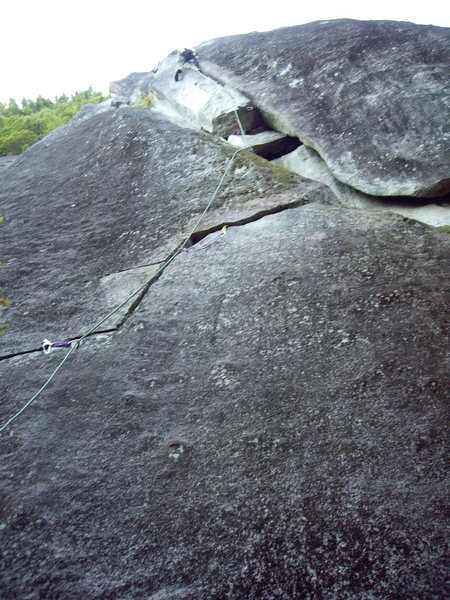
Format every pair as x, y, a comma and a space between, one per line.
146, 283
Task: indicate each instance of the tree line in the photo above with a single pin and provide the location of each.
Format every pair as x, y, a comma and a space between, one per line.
21, 126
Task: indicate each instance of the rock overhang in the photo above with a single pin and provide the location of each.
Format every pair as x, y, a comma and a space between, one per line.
307, 163
369, 97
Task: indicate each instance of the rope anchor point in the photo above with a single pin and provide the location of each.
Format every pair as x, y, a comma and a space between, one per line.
48, 346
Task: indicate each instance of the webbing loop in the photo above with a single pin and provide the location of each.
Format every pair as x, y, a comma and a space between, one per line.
48, 346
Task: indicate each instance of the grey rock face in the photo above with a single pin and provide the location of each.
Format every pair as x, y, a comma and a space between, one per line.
130, 89
270, 422
5, 162
94, 109
369, 97
105, 195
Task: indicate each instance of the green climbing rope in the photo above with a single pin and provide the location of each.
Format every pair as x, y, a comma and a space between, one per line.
240, 125
139, 289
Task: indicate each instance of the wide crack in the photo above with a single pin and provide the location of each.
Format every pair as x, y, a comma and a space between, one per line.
262, 139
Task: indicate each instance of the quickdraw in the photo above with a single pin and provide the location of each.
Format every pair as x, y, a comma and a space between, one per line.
48, 346
207, 241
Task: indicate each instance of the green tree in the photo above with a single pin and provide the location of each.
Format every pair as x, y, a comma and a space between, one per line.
16, 142
22, 126
13, 109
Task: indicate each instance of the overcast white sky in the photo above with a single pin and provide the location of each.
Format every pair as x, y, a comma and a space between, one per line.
51, 47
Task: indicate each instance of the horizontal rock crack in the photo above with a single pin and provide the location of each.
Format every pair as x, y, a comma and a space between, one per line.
71, 338
198, 236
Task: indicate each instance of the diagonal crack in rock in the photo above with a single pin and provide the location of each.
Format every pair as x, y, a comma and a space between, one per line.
194, 239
